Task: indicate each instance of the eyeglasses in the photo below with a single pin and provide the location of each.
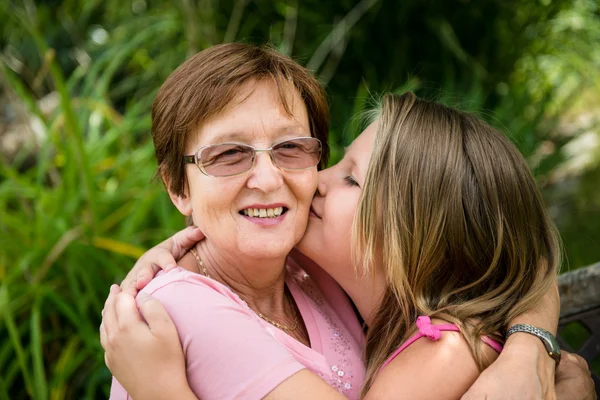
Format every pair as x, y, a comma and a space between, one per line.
227, 159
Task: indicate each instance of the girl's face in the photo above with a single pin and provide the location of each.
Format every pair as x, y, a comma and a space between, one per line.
327, 240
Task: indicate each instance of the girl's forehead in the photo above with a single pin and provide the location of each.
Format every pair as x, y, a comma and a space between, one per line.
362, 146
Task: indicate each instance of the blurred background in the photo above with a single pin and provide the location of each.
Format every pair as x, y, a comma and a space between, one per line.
78, 77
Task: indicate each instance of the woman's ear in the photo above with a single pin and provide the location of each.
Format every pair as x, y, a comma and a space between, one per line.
182, 202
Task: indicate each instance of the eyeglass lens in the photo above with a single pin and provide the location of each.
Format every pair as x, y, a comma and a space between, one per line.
234, 158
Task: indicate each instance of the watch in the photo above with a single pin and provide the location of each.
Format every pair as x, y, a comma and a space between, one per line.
548, 339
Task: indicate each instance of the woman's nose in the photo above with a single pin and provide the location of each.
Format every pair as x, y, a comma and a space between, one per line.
265, 175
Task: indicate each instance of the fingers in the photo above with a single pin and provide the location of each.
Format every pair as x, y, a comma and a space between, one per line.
129, 284
574, 378
103, 336
127, 314
120, 322
163, 256
182, 241
579, 360
145, 268
109, 317
105, 342
109, 322
158, 258
120, 314
573, 358
155, 315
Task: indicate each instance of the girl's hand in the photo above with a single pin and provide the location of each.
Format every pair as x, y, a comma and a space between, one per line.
162, 256
144, 356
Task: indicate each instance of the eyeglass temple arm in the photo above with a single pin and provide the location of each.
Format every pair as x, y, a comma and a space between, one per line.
189, 159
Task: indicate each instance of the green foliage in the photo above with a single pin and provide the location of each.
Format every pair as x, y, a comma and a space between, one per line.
75, 221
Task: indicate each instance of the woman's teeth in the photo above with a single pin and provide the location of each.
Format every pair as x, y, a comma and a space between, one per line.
263, 212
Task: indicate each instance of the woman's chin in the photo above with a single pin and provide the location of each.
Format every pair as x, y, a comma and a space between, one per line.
263, 250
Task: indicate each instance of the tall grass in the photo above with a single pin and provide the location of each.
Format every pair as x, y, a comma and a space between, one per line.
76, 221
69, 227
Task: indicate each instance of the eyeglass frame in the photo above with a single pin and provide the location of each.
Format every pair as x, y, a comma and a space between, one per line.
194, 159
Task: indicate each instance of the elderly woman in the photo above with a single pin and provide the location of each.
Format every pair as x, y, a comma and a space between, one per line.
243, 304
239, 132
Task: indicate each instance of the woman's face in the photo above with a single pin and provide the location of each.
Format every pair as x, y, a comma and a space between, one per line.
257, 118
328, 237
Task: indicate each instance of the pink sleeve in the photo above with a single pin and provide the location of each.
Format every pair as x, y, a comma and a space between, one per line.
229, 354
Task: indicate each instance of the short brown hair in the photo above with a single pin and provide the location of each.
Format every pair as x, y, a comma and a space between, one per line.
207, 82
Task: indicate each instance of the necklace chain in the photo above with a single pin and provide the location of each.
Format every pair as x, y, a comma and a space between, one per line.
202, 270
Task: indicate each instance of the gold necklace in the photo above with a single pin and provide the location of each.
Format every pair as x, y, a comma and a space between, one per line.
199, 264
202, 270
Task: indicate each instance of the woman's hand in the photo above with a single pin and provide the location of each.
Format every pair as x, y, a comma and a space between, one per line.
574, 379
162, 256
145, 357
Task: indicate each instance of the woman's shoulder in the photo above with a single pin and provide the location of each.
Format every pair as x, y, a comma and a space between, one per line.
180, 275
179, 287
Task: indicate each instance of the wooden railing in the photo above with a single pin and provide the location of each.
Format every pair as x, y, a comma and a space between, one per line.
579, 325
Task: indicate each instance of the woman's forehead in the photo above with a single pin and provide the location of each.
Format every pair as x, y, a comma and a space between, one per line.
274, 132
260, 114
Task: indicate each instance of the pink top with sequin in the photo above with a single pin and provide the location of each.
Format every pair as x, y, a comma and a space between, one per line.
434, 332
233, 354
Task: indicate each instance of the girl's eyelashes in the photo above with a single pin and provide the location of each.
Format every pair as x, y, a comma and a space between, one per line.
351, 181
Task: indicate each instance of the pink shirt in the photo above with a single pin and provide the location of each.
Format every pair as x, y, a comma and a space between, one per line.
231, 353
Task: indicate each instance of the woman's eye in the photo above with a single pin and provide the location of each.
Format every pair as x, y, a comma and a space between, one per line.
230, 152
351, 181
288, 145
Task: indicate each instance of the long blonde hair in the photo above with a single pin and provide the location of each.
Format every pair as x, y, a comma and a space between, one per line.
451, 214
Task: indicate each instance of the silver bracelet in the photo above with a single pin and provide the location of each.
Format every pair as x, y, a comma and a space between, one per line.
550, 343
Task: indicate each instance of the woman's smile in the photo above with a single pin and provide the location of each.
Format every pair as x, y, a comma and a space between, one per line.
265, 214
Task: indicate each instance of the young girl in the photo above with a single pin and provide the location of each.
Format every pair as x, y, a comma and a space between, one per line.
451, 217
451, 244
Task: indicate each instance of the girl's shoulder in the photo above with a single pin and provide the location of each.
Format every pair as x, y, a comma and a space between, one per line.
436, 362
